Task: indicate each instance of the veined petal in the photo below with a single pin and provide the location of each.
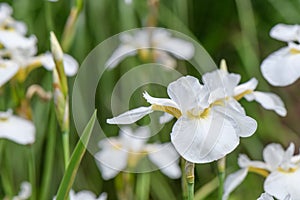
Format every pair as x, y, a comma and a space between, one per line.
131, 116
159, 101
188, 93
282, 184
17, 129
204, 140
233, 181
166, 158
70, 64
286, 33
7, 70
111, 160
123, 51
249, 85
269, 101
273, 155
281, 68
245, 126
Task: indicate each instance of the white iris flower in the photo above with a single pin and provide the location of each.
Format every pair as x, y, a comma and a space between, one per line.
280, 167
126, 150
282, 67
209, 122
25, 192
159, 40
85, 195
16, 129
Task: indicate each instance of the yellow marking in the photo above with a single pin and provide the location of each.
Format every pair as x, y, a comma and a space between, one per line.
144, 54
239, 96
290, 170
259, 171
201, 115
168, 109
294, 51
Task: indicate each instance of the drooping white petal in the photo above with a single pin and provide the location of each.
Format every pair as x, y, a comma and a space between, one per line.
131, 116
269, 101
159, 101
165, 118
233, 181
282, 184
281, 68
25, 191
166, 158
188, 93
123, 51
245, 162
273, 155
70, 64
285, 32
249, 85
265, 196
18, 130
14, 40
244, 125
204, 140
7, 70
111, 160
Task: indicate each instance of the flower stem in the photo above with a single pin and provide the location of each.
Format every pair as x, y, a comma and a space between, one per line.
32, 173
66, 147
5, 172
50, 149
183, 180
190, 179
221, 175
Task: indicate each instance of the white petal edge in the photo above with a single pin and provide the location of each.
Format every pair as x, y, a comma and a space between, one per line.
121, 52
7, 70
285, 32
131, 116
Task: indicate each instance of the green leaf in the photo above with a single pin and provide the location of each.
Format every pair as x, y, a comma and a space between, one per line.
69, 176
143, 186
160, 188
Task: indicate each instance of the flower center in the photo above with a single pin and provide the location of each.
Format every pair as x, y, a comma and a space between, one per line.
199, 114
294, 51
241, 95
289, 170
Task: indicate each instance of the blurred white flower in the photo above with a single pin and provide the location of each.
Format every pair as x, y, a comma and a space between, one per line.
25, 192
208, 123
16, 129
280, 168
7, 70
85, 195
266, 196
126, 150
153, 43
128, 1
282, 67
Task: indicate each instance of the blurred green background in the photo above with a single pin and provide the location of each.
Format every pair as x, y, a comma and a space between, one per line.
237, 30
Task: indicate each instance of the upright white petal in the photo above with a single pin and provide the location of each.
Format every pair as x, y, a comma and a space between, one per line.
282, 184
111, 161
134, 141
281, 68
123, 51
7, 70
285, 32
18, 130
273, 155
70, 64
233, 181
131, 116
269, 101
188, 93
204, 140
166, 158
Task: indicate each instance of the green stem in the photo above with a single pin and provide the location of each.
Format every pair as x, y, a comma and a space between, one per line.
143, 186
207, 189
5, 172
66, 147
221, 175
50, 149
190, 179
183, 180
32, 173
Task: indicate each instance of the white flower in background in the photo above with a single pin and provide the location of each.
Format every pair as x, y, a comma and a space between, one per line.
126, 150
282, 67
85, 195
25, 192
280, 167
155, 44
266, 196
7, 70
208, 123
16, 129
